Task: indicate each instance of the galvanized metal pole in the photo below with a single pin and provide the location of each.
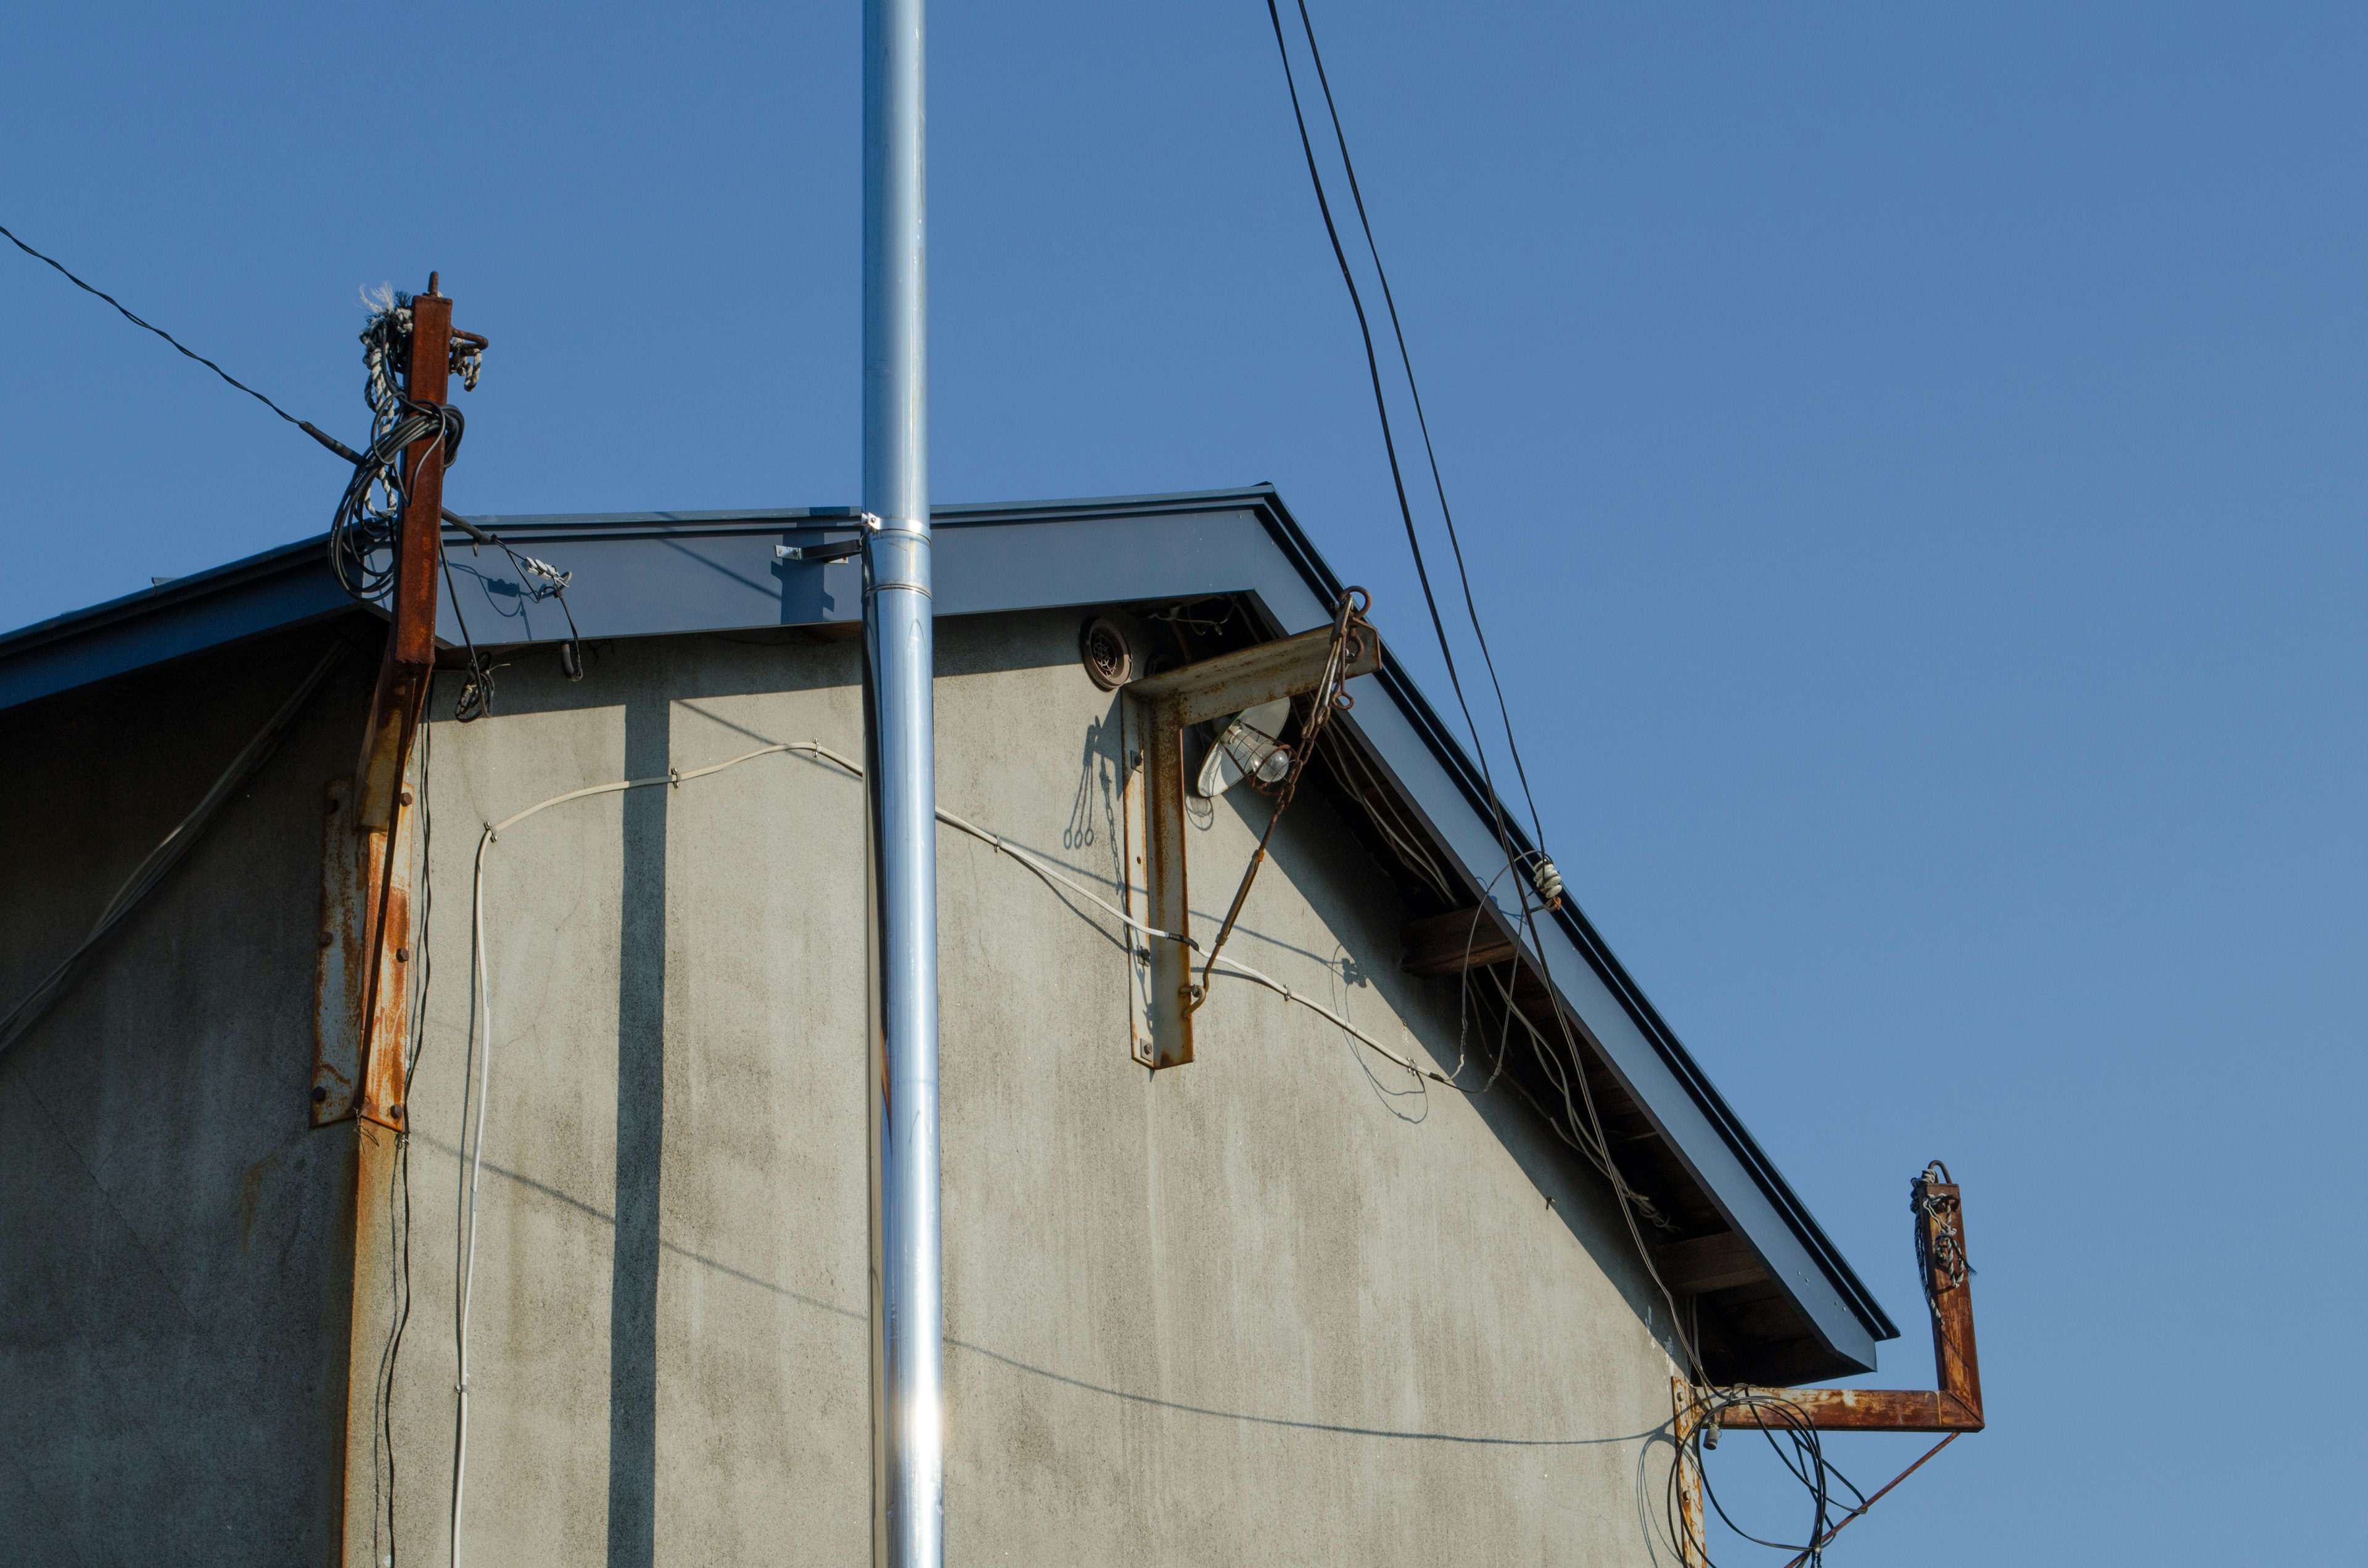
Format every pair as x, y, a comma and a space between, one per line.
907, 1370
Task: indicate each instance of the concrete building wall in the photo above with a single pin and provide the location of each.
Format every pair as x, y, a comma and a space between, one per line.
1279, 1305
174, 1236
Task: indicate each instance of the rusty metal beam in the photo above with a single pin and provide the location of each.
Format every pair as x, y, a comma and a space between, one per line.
1156, 712
1693, 1542
1219, 687
409, 665
1956, 1404
1864, 1410
362, 992
355, 871
410, 658
1163, 1021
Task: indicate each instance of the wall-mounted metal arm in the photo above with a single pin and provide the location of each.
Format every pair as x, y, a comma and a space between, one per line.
1956, 1404
1156, 711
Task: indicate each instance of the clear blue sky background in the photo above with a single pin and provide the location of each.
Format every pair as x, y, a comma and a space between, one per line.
1911, 460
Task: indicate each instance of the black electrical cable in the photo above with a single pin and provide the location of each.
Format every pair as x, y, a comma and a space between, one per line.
1422, 423
159, 330
1438, 626
1381, 403
358, 532
1804, 1460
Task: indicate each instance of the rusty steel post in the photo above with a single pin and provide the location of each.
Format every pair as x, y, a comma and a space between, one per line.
410, 658
403, 675
1693, 1542
378, 803
1947, 1285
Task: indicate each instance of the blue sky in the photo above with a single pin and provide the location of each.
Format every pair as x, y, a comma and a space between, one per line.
1911, 462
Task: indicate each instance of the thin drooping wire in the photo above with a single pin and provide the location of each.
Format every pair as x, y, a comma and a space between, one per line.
1439, 627
1422, 423
159, 330
1876, 1496
1801, 1450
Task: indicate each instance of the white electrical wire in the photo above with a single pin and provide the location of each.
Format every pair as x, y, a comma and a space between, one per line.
484, 1055
483, 1052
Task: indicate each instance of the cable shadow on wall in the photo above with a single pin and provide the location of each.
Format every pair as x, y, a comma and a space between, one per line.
817, 1304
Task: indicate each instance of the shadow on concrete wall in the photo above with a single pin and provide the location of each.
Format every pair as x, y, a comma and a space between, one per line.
640, 1144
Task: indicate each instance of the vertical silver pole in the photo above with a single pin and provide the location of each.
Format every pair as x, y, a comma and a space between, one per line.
907, 1404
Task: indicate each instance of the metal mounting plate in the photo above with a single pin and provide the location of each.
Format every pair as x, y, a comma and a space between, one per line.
353, 865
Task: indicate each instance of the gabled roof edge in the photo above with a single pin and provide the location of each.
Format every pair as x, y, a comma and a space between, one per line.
1582, 934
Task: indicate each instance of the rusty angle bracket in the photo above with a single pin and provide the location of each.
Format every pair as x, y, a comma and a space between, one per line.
1155, 713
1956, 1404
1955, 1408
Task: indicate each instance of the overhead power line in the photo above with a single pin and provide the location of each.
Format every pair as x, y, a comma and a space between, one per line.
1422, 423
1542, 874
1406, 359
160, 332
358, 531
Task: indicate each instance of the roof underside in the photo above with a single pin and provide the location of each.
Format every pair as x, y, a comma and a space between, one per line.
1777, 1301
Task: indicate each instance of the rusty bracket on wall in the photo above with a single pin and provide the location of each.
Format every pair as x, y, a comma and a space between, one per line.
1956, 1404
1953, 1408
1156, 712
356, 870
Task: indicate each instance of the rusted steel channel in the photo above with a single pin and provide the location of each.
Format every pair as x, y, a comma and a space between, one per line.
1953, 1409
362, 996
1956, 1404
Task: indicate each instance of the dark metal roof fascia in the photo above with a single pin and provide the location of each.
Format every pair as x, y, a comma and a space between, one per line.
280, 587
718, 574
1847, 1315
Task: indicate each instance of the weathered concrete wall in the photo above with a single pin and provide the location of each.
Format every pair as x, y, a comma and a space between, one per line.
1280, 1305
174, 1237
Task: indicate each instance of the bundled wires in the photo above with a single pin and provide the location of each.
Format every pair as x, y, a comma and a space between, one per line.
368, 518
1798, 1445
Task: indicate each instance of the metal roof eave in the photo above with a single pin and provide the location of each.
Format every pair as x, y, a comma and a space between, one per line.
688, 572
1639, 1044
